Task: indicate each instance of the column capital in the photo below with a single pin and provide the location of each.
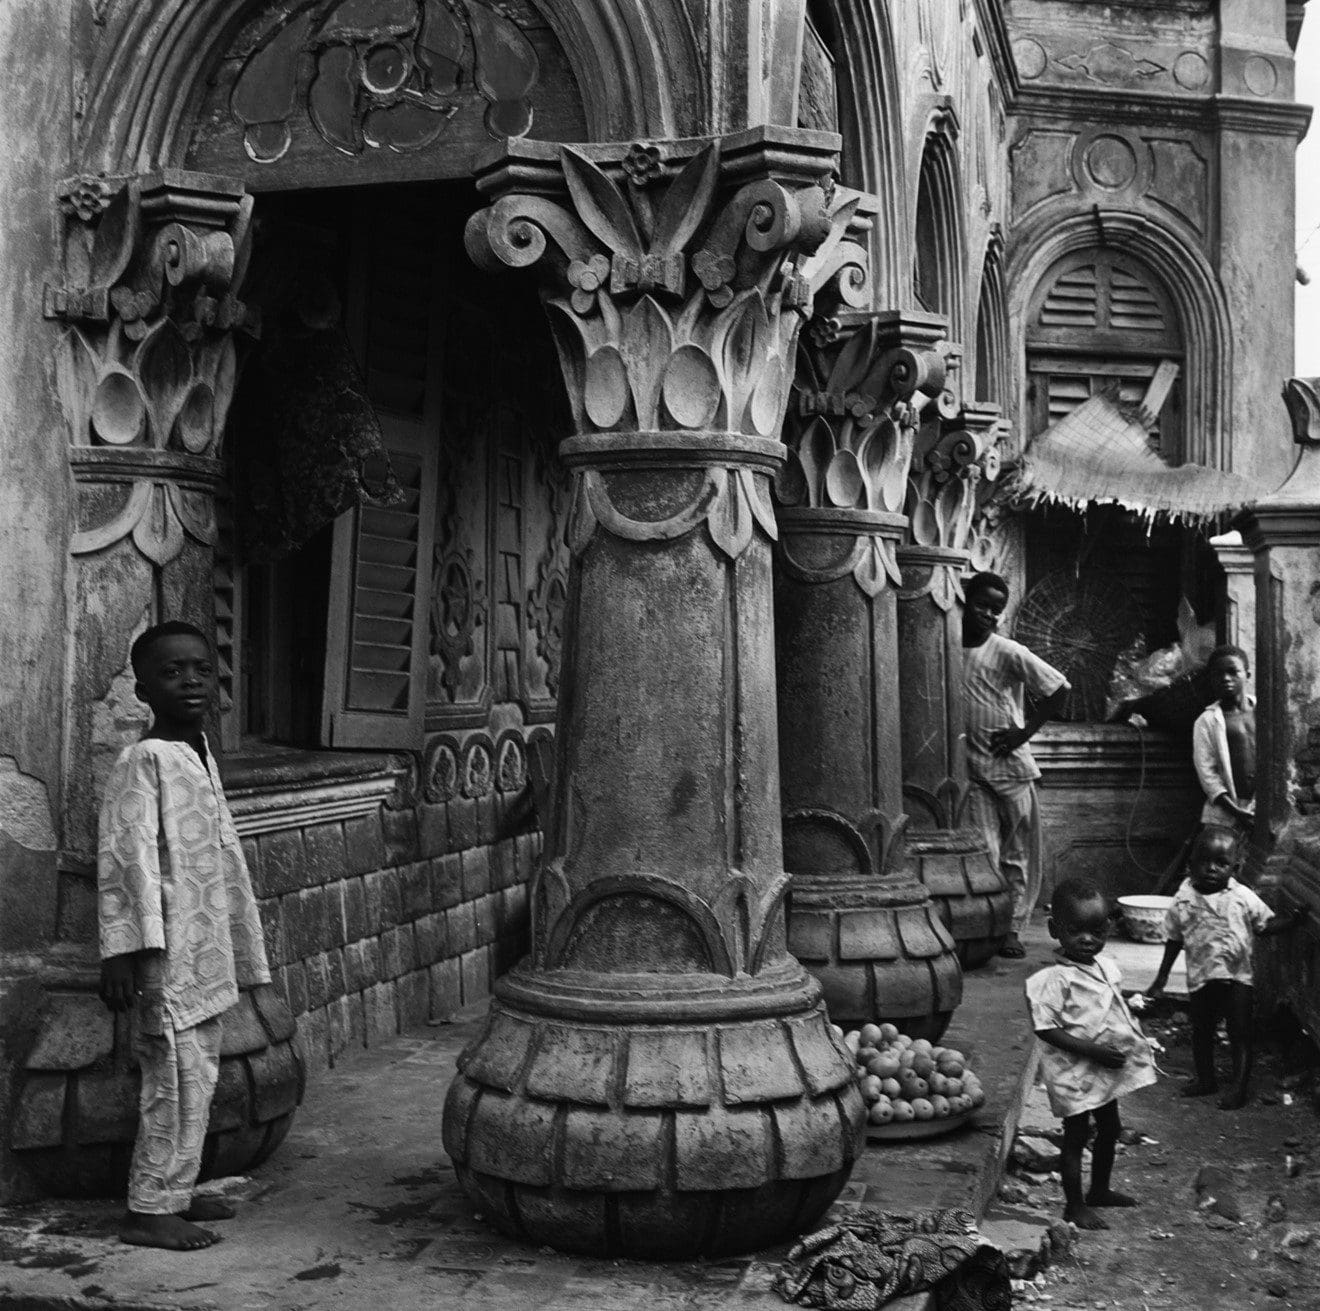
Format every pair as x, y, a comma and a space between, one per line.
677, 275
1290, 516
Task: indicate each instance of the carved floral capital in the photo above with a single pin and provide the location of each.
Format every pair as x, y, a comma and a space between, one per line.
675, 284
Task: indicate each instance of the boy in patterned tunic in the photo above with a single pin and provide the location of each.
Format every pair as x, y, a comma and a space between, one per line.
1216, 919
1092, 1049
179, 931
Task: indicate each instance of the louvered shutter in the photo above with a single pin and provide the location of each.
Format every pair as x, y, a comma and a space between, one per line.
380, 587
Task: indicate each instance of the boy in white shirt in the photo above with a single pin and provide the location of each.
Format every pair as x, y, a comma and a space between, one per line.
1003, 802
1224, 744
1092, 1049
1216, 918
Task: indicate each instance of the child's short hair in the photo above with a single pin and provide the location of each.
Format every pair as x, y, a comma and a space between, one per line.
170, 628
1226, 650
983, 582
1214, 831
1076, 891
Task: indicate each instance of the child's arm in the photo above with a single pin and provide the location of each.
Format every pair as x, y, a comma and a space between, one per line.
1171, 949
119, 981
1099, 1052
1283, 921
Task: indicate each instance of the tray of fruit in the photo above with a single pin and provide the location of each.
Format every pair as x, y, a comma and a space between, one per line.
912, 1088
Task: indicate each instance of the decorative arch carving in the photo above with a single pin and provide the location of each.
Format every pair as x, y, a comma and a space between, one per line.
990, 330
860, 35
638, 66
937, 224
1191, 284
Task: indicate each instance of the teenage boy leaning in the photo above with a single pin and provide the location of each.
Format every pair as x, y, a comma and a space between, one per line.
1003, 801
179, 931
1224, 743
1216, 918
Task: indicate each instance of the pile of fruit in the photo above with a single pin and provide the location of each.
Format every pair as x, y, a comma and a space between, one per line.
904, 1079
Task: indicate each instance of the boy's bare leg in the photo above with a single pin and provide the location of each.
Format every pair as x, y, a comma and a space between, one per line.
171, 1232
1239, 1006
1107, 1128
1202, 1003
1070, 1166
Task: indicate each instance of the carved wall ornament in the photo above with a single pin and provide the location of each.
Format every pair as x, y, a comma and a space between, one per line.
458, 609
478, 769
384, 75
951, 462
440, 769
1108, 62
87, 195
547, 602
146, 370
510, 765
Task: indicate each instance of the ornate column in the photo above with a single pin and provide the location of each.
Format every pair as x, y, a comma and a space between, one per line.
658, 1078
859, 918
145, 373
951, 857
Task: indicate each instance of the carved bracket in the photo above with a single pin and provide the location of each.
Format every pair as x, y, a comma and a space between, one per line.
147, 368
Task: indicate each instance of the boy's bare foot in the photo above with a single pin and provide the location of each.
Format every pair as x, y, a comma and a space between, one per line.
171, 1232
209, 1209
1198, 1088
1084, 1218
1234, 1100
1110, 1198
1011, 948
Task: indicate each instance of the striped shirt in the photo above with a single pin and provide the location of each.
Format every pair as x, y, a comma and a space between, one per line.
994, 677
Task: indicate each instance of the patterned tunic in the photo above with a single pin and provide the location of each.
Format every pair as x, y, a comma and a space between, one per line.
1086, 1002
173, 883
1217, 931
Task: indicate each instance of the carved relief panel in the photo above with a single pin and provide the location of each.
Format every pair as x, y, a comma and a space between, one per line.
382, 88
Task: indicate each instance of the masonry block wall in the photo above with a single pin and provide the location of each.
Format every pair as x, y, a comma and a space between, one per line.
382, 921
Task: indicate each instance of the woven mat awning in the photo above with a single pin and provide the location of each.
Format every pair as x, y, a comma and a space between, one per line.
1100, 454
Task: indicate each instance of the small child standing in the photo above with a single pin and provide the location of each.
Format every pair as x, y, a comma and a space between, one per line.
1215, 918
1093, 1049
179, 931
1224, 744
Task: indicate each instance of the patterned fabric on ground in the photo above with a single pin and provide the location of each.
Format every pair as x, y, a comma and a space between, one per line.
1007, 813
173, 884
179, 1072
874, 1257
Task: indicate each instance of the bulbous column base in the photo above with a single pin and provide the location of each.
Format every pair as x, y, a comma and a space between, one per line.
963, 880
76, 1111
586, 1119
879, 949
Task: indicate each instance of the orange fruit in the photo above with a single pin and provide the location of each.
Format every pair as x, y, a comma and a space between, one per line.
881, 1113
871, 1035
903, 1110
922, 1109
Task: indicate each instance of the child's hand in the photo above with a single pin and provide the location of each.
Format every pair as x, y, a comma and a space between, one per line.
118, 982
1155, 991
1108, 1056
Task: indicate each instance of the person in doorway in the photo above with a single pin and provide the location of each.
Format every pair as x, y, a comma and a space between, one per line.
1003, 801
1224, 743
1215, 918
179, 931
1093, 1050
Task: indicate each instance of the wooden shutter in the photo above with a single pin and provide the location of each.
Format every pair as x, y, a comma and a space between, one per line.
380, 588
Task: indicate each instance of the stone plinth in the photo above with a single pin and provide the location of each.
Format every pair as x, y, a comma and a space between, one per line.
658, 1078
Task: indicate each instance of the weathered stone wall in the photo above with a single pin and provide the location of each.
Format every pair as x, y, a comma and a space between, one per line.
382, 921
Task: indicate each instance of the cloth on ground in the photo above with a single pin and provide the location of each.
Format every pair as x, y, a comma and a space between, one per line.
873, 1257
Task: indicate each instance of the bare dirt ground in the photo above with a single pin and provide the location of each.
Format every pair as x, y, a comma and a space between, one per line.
1248, 1237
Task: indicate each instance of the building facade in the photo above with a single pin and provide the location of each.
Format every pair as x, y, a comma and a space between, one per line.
245, 259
